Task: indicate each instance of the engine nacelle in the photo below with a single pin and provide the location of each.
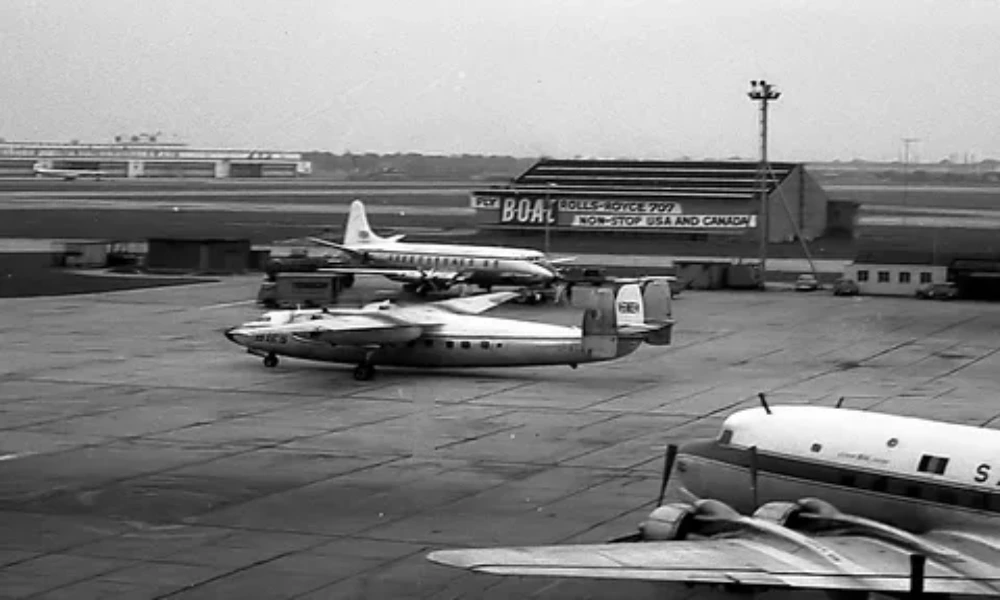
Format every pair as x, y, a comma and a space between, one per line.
677, 521
787, 514
668, 522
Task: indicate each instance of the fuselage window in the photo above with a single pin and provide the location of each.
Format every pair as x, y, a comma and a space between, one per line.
428, 343
450, 344
484, 345
847, 479
932, 464
466, 345
411, 343
880, 484
726, 437
816, 447
913, 491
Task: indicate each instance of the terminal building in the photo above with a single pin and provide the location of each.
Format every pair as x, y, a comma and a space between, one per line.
684, 199
143, 157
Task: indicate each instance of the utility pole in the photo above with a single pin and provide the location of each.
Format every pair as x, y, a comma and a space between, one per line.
761, 91
906, 171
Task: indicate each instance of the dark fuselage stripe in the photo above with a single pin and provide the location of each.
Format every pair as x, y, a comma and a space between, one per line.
934, 492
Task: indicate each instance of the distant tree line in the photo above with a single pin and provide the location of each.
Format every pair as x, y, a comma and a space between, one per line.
412, 166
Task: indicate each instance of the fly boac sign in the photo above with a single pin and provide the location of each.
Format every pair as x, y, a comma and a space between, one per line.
527, 211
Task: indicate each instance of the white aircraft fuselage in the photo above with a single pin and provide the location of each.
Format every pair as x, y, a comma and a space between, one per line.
909, 473
427, 266
484, 266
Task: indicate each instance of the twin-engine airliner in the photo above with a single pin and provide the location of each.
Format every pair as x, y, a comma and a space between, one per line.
840, 500
435, 267
452, 333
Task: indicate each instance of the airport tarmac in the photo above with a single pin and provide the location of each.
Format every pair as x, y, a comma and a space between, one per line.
145, 456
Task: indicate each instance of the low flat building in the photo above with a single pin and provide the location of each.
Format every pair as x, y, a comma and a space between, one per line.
895, 273
149, 159
899, 272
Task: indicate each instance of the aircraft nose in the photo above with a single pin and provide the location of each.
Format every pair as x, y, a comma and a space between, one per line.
231, 335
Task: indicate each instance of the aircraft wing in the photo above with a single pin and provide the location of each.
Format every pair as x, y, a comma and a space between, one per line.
839, 563
370, 328
414, 275
337, 246
473, 305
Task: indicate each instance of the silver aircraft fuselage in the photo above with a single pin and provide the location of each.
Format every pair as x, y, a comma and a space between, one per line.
464, 341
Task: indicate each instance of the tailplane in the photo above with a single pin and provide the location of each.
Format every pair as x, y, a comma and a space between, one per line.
358, 232
641, 310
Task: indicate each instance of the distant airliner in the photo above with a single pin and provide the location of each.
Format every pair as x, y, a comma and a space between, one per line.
844, 501
68, 174
432, 267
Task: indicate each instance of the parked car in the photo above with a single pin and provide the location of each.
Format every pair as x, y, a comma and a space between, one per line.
806, 283
846, 287
938, 291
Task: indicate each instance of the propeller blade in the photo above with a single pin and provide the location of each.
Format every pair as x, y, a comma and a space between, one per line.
840, 402
668, 467
753, 475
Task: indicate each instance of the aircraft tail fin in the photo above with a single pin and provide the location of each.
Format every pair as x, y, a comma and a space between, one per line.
600, 330
633, 310
658, 317
358, 232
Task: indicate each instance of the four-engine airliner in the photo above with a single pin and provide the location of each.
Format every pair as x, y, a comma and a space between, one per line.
805, 497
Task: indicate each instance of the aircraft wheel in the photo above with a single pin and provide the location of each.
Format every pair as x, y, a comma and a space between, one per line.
364, 372
271, 360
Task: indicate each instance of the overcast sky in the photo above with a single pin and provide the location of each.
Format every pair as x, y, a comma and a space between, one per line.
656, 79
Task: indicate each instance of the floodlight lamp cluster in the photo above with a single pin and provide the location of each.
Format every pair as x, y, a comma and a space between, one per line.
762, 90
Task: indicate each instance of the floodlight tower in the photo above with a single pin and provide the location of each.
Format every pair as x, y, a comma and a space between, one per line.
763, 92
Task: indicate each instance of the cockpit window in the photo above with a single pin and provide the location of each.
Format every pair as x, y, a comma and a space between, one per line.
726, 437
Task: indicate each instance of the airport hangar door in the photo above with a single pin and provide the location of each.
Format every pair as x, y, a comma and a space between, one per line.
977, 278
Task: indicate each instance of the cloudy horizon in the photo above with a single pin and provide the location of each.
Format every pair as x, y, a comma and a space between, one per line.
661, 79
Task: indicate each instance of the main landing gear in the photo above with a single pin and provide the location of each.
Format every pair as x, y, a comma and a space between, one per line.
271, 360
364, 372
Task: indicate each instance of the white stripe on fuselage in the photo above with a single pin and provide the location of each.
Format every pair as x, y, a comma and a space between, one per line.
449, 250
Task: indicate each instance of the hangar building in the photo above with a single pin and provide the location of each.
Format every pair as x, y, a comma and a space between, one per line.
146, 158
693, 200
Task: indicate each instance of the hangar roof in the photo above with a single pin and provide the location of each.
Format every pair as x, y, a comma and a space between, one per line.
733, 180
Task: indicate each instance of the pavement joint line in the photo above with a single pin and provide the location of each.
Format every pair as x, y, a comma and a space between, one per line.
966, 365
642, 388
131, 563
193, 519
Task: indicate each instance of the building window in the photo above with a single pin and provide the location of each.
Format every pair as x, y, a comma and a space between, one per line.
925, 277
904, 277
883, 276
932, 464
863, 276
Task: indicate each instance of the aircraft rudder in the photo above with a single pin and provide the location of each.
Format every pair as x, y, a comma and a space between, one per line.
658, 304
357, 230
